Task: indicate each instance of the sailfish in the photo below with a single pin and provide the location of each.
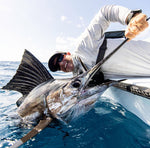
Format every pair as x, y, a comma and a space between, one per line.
45, 98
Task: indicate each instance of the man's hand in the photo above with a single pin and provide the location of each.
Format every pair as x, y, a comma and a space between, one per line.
136, 25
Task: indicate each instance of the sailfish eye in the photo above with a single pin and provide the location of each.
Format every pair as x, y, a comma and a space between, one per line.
76, 84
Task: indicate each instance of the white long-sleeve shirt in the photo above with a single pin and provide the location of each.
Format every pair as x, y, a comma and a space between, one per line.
133, 59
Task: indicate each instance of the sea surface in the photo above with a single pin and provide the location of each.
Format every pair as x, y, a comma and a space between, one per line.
106, 125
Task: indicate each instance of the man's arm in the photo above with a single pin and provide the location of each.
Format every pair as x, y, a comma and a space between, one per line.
135, 20
91, 37
106, 15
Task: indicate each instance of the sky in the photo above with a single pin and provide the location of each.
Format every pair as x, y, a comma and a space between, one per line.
46, 26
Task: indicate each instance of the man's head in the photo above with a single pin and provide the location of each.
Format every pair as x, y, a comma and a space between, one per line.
61, 61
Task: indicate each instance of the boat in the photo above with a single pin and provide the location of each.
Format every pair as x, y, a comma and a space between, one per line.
134, 95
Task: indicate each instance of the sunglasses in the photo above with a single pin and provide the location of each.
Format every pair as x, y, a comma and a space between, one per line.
59, 59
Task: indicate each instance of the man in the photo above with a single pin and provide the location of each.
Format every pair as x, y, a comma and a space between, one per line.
133, 59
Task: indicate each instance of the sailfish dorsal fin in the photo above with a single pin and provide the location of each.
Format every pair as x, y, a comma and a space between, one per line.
30, 73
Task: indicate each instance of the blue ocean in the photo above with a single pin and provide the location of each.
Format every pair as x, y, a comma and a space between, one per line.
106, 125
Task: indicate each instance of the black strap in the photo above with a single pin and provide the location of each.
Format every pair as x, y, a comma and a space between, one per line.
98, 78
115, 34
83, 65
102, 50
103, 47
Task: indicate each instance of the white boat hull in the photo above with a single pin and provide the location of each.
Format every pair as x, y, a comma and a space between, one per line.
140, 106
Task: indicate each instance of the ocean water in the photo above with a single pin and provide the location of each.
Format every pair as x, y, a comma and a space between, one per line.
106, 125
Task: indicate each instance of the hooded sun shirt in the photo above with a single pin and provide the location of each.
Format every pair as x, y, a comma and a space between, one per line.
132, 59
